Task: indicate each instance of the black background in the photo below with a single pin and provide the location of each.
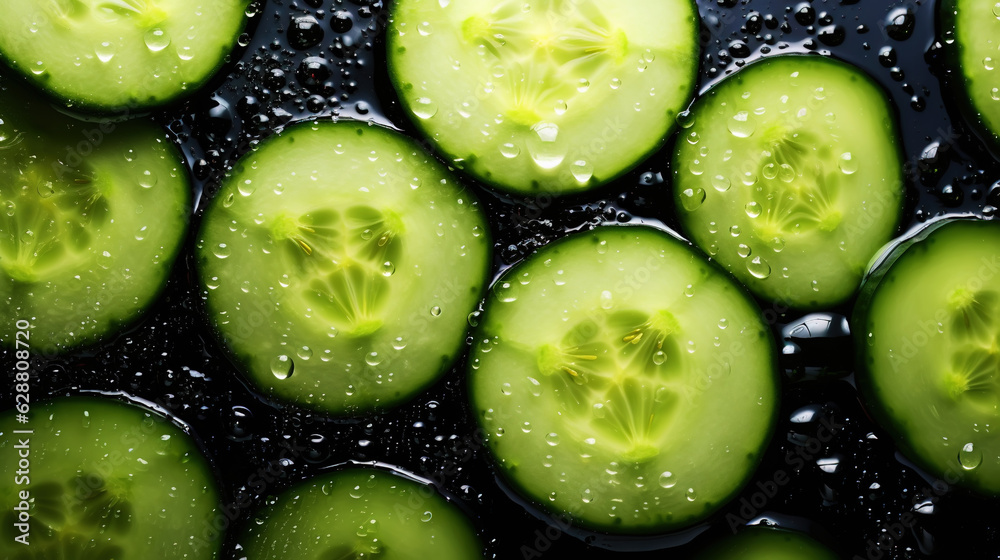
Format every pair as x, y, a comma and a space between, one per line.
851, 488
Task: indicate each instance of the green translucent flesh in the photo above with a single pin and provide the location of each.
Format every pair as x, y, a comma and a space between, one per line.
550, 96
109, 54
92, 216
976, 29
932, 353
791, 177
349, 290
107, 481
624, 380
760, 543
361, 513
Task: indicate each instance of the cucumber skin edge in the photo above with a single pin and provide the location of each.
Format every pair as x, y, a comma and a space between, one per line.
594, 184
714, 511
878, 270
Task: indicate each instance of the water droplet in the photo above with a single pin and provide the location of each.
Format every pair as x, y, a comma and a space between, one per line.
388, 269
506, 292
690, 495
660, 357
744, 250
759, 268
505, 389
582, 171
692, 199
607, 300
582, 85
753, 209
510, 151
616, 83
721, 183
545, 147
282, 367
667, 480
723, 323
424, 108
424, 28
105, 52
742, 125
222, 251
587, 496
148, 179
970, 457
847, 163
436, 311
156, 39
373, 359
552, 439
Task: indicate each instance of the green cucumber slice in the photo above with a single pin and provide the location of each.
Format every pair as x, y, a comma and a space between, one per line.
544, 96
928, 322
115, 54
791, 177
624, 380
341, 263
92, 215
361, 513
105, 480
972, 27
767, 543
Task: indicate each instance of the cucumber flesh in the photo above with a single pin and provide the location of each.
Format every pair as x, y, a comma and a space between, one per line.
552, 96
93, 215
114, 54
929, 350
766, 543
360, 513
791, 177
340, 264
623, 380
973, 26
107, 481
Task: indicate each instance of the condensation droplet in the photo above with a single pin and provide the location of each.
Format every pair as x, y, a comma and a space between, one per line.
282, 367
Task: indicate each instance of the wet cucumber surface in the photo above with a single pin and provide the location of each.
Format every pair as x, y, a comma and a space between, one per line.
829, 470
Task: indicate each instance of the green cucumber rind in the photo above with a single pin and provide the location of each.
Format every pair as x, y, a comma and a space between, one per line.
881, 265
259, 545
357, 406
536, 189
688, 222
758, 542
206, 541
48, 123
947, 26
713, 509
87, 104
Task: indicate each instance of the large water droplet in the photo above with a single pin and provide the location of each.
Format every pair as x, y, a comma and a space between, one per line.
582, 171
970, 457
424, 108
545, 147
667, 480
282, 367
742, 125
692, 199
759, 268
156, 39
848, 165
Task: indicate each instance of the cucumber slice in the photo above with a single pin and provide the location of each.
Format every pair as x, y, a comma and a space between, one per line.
115, 54
972, 27
766, 543
624, 380
544, 96
340, 263
105, 481
359, 513
929, 350
791, 177
93, 215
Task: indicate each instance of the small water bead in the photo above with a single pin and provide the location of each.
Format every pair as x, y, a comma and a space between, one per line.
105, 52
691, 495
660, 357
607, 300
769, 171
759, 268
685, 119
436, 311
304, 353
599, 411
753, 209
582, 171
742, 125
749, 178
506, 292
743, 250
545, 147
786, 174
734, 231
970, 457
582, 85
388, 269
560, 107
692, 199
616, 83
988, 63
848, 165
222, 251
282, 367
424, 108
723, 323
552, 439
667, 480
526, 427
815, 285
156, 39
691, 347
693, 138
689, 290
509, 151
424, 28
506, 389
721, 183
587, 496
